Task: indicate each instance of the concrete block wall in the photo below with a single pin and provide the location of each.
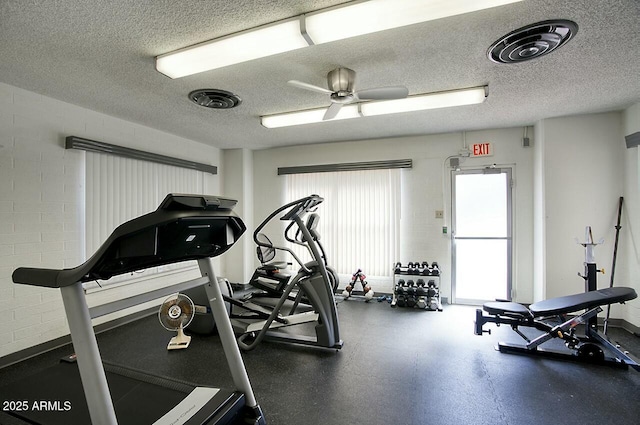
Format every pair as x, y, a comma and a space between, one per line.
42, 201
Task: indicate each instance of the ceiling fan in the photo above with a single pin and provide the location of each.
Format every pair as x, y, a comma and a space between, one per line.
341, 83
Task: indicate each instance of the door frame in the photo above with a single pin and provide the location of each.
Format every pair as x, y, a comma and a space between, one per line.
509, 238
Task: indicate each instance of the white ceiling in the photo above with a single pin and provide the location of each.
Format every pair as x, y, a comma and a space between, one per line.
100, 55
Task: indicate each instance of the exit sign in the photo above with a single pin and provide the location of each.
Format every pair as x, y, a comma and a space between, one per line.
482, 149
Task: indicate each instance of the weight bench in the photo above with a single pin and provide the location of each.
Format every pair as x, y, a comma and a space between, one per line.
558, 318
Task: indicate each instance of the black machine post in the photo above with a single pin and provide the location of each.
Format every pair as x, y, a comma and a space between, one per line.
613, 263
590, 270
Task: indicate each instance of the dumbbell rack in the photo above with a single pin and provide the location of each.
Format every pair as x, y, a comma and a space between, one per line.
416, 285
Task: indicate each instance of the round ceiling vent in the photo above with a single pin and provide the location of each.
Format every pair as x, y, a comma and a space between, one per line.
213, 98
532, 41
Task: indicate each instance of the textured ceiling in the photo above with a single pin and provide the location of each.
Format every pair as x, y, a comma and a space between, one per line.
100, 55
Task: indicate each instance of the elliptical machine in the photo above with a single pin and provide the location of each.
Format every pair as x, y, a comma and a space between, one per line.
299, 239
308, 295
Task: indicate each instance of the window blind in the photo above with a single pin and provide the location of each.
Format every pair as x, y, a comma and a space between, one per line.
359, 219
119, 189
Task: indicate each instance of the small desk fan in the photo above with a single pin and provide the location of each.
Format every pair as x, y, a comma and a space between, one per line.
175, 314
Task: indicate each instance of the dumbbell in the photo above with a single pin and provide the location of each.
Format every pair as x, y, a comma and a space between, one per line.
416, 267
409, 269
397, 268
412, 268
400, 301
411, 301
421, 303
433, 304
435, 269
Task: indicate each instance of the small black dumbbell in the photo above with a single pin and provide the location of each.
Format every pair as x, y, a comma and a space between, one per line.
397, 268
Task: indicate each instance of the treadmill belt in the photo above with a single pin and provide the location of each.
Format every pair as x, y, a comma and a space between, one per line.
55, 396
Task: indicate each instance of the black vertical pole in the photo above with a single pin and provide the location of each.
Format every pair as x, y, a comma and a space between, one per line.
615, 256
592, 285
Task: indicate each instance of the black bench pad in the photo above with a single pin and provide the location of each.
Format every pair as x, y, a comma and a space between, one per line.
562, 305
506, 308
587, 300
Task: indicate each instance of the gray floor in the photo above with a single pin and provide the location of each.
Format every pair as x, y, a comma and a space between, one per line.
398, 366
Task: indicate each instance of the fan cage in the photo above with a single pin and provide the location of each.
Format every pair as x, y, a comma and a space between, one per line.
176, 312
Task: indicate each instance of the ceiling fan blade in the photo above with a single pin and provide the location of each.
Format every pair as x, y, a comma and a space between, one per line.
308, 86
383, 93
332, 111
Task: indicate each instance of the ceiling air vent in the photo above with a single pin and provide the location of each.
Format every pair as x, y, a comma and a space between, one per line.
532, 41
213, 98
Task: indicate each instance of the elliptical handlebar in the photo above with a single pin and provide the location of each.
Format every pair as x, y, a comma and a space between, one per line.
288, 238
295, 211
301, 207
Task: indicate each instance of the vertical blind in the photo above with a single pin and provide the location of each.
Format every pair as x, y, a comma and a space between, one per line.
359, 219
119, 189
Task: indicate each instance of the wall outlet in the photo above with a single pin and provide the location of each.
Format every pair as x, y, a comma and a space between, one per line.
439, 214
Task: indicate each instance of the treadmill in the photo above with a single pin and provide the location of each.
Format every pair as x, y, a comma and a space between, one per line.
90, 391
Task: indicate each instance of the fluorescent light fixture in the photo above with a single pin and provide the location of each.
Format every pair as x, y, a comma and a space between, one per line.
377, 15
425, 101
308, 117
419, 102
336, 23
245, 46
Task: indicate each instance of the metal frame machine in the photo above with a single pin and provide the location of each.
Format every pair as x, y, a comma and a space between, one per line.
184, 227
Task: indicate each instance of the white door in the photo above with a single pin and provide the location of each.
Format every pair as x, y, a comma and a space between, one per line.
481, 235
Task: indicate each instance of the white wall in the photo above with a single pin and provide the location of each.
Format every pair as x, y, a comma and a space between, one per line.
539, 216
421, 232
628, 269
237, 176
42, 201
583, 180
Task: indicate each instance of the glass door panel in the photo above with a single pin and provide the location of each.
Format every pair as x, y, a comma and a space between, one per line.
481, 235
483, 271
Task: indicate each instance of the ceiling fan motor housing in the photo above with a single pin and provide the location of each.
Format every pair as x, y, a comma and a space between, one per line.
341, 80
532, 41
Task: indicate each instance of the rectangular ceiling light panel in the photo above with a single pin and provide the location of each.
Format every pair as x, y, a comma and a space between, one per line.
308, 117
377, 15
425, 101
242, 47
419, 102
340, 22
